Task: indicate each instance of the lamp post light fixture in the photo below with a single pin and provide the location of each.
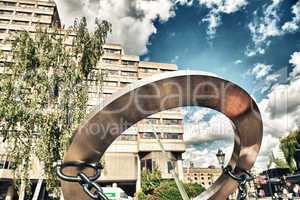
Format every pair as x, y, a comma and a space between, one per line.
242, 179
221, 157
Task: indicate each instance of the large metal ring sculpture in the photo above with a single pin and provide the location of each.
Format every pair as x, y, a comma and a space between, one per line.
162, 92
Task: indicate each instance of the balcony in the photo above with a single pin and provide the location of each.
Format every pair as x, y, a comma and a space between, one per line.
6, 174
131, 58
5, 16
160, 128
142, 74
111, 56
146, 145
123, 146
118, 66
5, 47
7, 7
17, 27
110, 89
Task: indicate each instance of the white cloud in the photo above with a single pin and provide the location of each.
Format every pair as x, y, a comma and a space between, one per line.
264, 27
198, 115
293, 25
267, 26
217, 8
272, 77
260, 70
280, 111
132, 20
238, 62
218, 127
227, 6
175, 59
268, 143
214, 20
295, 61
205, 157
184, 2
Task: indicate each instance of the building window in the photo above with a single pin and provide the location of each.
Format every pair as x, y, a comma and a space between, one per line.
110, 61
4, 21
146, 164
170, 166
128, 73
167, 70
152, 121
128, 62
6, 12
148, 70
149, 135
6, 164
112, 72
110, 83
172, 121
26, 5
112, 51
25, 14
105, 95
123, 84
174, 136
43, 25
39, 15
6, 3
17, 22
124, 137
44, 7
2, 30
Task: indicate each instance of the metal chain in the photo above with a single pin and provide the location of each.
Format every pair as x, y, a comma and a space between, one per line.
88, 183
242, 180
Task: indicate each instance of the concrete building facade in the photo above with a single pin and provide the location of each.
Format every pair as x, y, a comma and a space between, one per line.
138, 144
203, 176
134, 150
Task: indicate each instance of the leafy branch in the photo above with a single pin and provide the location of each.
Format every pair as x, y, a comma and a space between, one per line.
44, 92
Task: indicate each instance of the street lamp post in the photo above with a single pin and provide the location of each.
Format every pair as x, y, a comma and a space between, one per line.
242, 179
221, 157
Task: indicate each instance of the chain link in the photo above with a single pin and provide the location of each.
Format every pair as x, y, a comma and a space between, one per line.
88, 183
242, 180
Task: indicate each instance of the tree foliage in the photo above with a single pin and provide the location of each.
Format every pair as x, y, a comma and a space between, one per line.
154, 188
44, 92
288, 146
150, 180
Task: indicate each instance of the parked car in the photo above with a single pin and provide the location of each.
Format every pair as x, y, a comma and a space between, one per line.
115, 193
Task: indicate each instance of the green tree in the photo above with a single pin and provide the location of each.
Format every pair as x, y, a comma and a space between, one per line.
168, 190
288, 146
278, 162
44, 92
150, 180
154, 188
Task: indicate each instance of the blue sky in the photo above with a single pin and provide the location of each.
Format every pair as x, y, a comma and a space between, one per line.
255, 44
184, 41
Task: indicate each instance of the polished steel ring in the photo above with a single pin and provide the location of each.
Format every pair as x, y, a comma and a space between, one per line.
166, 91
